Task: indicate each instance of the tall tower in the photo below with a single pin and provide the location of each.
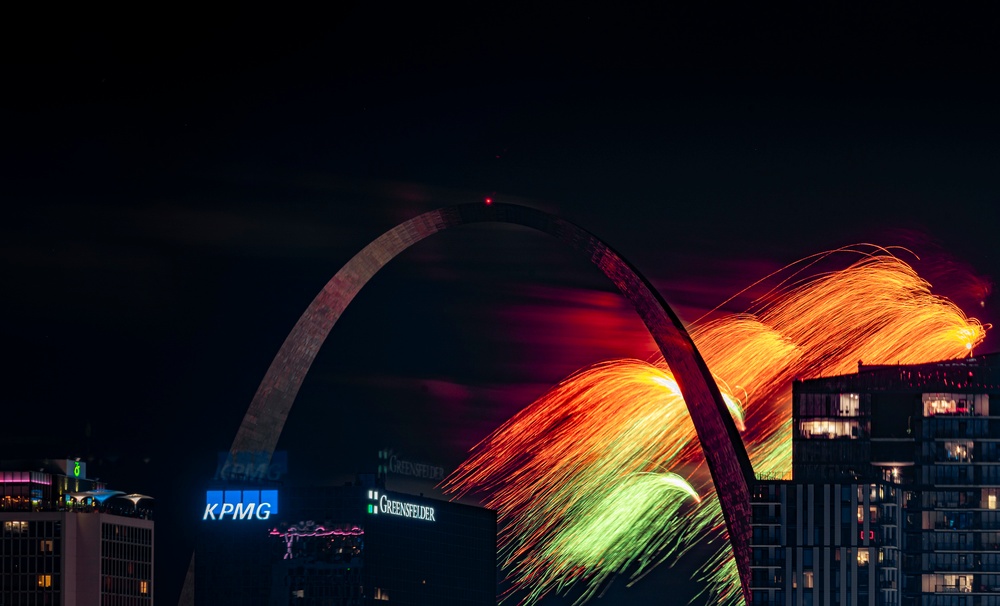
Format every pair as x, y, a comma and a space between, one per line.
918, 440
67, 540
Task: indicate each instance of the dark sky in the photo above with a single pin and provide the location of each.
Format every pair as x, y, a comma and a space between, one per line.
179, 185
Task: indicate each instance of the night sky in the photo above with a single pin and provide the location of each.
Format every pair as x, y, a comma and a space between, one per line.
178, 186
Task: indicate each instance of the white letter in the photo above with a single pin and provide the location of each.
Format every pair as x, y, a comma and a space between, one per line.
210, 511
226, 508
243, 511
263, 511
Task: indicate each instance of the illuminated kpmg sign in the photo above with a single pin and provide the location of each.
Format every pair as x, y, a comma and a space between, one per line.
240, 504
383, 504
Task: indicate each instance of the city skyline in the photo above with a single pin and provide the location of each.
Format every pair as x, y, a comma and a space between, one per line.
173, 216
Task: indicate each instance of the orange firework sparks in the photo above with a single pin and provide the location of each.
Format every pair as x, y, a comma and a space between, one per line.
877, 310
601, 435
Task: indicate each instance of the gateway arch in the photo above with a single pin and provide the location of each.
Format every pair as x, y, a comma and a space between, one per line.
724, 451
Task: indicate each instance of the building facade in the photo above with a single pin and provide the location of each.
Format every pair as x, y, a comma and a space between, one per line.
351, 545
66, 540
927, 432
825, 544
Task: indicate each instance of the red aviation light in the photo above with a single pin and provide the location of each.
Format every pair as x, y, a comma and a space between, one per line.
488, 201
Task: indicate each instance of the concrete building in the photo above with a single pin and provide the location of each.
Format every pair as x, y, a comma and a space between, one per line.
822, 544
908, 459
67, 540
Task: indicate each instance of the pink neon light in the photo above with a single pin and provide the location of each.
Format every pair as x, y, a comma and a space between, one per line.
25, 477
317, 531
294, 533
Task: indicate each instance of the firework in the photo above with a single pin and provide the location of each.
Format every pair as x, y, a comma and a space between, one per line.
560, 472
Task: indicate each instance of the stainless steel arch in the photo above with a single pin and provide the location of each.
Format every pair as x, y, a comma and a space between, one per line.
724, 450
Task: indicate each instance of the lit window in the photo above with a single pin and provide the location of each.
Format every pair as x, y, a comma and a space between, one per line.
849, 405
955, 404
828, 429
862, 557
45, 580
958, 450
960, 583
15, 527
807, 579
144, 587
45, 545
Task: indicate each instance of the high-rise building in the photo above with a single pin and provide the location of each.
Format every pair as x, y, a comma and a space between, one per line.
919, 441
67, 540
819, 544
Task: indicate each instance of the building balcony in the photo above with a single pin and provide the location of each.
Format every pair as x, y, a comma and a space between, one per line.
967, 589
952, 589
767, 539
955, 568
767, 585
766, 520
118, 507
